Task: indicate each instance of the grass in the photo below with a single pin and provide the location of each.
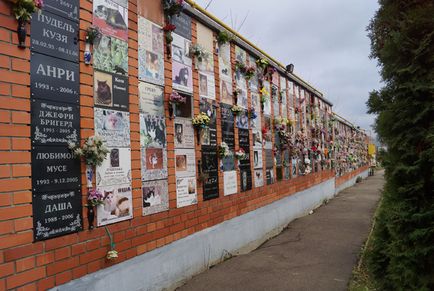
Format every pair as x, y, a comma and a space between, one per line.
361, 279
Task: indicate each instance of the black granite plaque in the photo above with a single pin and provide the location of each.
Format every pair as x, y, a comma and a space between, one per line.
54, 79
183, 25
228, 163
227, 123
210, 171
269, 160
56, 213
55, 36
111, 91
246, 179
55, 123
269, 175
66, 8
54, 168
244, 143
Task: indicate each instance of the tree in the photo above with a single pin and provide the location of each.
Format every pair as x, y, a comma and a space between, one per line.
402, 40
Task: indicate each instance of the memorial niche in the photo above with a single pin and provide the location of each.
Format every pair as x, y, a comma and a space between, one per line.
55, 120
209, 175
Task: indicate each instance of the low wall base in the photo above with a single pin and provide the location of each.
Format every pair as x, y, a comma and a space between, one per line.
351, 181
171, 265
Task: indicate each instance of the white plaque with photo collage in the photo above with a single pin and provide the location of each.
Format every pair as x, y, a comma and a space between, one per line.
151, 52
184, 133
186, 194
267, 103
230, 183
206, 85
155, 196
225, 73
257, 158
181, 50
111, 17
117, 204
151, 99
115, 169
259, 178
113, 127
185, 163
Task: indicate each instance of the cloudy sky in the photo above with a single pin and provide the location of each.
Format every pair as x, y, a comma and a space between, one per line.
326, 40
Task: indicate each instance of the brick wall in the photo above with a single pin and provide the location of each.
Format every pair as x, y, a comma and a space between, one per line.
25, 265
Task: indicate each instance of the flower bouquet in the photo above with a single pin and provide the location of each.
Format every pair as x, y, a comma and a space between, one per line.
23, 10
172, 7
224, 150
175, 99
241, 155
237, 110
199, 53
201, 120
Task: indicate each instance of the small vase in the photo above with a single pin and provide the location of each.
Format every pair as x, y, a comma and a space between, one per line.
22, 33
90, 216
198, 135
89, 175
87, 54
171, 110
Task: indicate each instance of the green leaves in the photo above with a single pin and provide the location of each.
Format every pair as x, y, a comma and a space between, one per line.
402, 39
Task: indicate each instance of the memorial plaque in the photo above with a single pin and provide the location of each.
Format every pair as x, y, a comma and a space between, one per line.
269, 160
68, 9
111, 91
244, 143
246, 179
210, 171
56, 213
55, 36
269, 174
54, 168
183, 25
55, 123
53, 79
227, 120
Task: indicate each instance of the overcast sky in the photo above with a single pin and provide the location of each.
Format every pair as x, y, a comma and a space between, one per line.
326, 40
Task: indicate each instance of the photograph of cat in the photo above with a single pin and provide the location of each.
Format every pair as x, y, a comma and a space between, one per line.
182, 77
151, 196
154, 159
153, 131
113, 127
116, 205
111, 18
103, 89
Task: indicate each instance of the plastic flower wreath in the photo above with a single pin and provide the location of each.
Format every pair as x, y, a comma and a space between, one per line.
201, 120
238, 110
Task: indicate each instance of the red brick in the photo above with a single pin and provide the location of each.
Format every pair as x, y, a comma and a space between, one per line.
20, 117
6, 269
15, 212
60, 242
45, 259
28, 287
21, 252
60, 266
6, 227
23, 224
25, 264
25, 277
46, 283
63, 278
62, 253
21, 65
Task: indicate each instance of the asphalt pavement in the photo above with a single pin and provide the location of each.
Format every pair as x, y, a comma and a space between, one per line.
315, 252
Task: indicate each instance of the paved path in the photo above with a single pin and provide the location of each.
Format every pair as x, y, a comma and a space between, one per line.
316, 252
